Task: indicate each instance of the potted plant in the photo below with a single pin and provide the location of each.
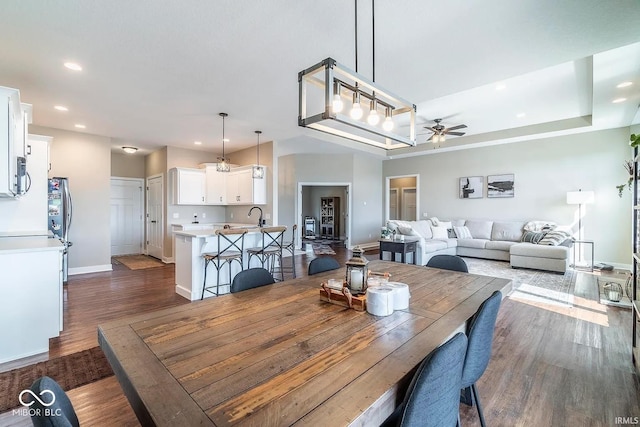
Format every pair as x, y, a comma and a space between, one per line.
634, 141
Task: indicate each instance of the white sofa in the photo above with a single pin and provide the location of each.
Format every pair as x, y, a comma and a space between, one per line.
499, 240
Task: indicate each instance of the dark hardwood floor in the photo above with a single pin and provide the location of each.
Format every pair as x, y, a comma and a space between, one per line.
551, 365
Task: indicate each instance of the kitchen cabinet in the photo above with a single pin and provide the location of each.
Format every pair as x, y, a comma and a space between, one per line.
242, 189
216, 185
330, 217
32, 295
188, 186
13, 125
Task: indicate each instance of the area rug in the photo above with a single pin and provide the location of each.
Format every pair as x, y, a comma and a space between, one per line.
69, 371
322, 249
138, 262
546, 285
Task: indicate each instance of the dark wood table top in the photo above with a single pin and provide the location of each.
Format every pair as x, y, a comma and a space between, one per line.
277, 355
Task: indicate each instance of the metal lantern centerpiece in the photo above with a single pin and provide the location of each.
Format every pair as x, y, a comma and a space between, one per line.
357, 272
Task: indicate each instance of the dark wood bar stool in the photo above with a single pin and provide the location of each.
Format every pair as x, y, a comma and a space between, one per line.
271, 250
290, 246
230, 250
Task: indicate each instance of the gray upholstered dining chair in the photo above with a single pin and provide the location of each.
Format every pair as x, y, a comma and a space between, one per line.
432, 399
59, 413
480, 334
321, 264
448, 262
251, 278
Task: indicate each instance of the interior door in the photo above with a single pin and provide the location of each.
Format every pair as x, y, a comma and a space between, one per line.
393, 204
155, 236
409, 204
126, 216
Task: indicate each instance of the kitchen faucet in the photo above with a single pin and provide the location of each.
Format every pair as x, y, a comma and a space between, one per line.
259, 219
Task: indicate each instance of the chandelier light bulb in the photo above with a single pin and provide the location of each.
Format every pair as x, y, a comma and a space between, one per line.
388, 124
356, 111
338, 105
373, 118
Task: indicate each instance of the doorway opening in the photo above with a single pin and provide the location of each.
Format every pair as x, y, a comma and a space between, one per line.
323, 212
402, 198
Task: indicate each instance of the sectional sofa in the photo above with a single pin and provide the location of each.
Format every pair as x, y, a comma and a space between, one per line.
538, 245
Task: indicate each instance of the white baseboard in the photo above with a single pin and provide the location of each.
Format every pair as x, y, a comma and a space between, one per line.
89, 269
168, 260
184, 293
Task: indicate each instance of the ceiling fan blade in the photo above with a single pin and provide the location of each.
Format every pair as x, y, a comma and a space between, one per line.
457, 127
455, 133
429, 139
430, 128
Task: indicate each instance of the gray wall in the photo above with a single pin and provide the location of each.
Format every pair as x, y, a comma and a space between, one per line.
545, 170
86, 160
125, 165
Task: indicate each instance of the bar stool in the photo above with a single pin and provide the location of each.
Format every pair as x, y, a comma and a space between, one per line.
271, 249
291, 247
230, 249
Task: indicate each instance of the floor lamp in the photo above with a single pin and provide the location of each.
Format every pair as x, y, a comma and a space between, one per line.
580, 198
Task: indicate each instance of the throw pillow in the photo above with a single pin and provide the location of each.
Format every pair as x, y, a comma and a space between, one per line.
554, 238
462, 232
440, 232
434, 221
407, 231
532, 237
539, 226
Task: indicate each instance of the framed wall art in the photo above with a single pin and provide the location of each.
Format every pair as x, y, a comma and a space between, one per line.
500, 186
471, 187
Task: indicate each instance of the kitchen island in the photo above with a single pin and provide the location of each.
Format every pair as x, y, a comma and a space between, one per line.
32, 296
188, 249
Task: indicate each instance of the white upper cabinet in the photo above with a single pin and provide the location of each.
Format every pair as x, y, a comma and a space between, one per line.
216, 193
13, 125
242, 189
188, 186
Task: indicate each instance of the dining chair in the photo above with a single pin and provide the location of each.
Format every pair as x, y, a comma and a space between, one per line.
59, 413
321, 264
270, 253
432, 399
251, 278
290, 246
230, 250
480, 335
448, 262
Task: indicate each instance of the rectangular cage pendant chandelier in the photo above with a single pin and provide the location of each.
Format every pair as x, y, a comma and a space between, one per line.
339, 101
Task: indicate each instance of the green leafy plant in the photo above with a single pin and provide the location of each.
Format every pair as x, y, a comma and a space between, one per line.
634, 140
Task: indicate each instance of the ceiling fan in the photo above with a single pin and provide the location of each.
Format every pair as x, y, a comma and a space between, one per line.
439, 131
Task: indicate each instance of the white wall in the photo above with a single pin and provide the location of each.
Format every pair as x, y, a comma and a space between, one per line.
545, 169
86, 160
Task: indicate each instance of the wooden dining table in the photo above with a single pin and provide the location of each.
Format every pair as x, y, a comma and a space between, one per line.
277, 355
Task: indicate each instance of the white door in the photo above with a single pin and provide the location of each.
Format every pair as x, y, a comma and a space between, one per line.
409, 204
126, 216
155, 235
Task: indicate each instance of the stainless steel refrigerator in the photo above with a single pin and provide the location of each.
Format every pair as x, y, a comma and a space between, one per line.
60, 214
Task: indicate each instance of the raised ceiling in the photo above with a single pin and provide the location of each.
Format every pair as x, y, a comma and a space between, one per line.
158, 72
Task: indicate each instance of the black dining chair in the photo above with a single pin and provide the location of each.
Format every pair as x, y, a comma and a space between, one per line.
448, 262
251, 278
432, 399
480, 334
59, 413
321, 264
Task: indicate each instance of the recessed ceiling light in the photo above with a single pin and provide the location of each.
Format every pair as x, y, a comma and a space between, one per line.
624, 84
73, 66
79, 126
197, 142
520, 115
618, 100
225, 139
501, 86
61, 108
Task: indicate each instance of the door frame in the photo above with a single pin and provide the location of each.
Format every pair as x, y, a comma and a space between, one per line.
388, 187
141, 229
146, 211
298, 213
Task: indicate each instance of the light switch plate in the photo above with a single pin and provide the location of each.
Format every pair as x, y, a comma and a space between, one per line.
267, 216
176, 215
425, 215
204, 214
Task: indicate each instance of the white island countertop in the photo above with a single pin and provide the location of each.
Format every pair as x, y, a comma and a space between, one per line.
29, 244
